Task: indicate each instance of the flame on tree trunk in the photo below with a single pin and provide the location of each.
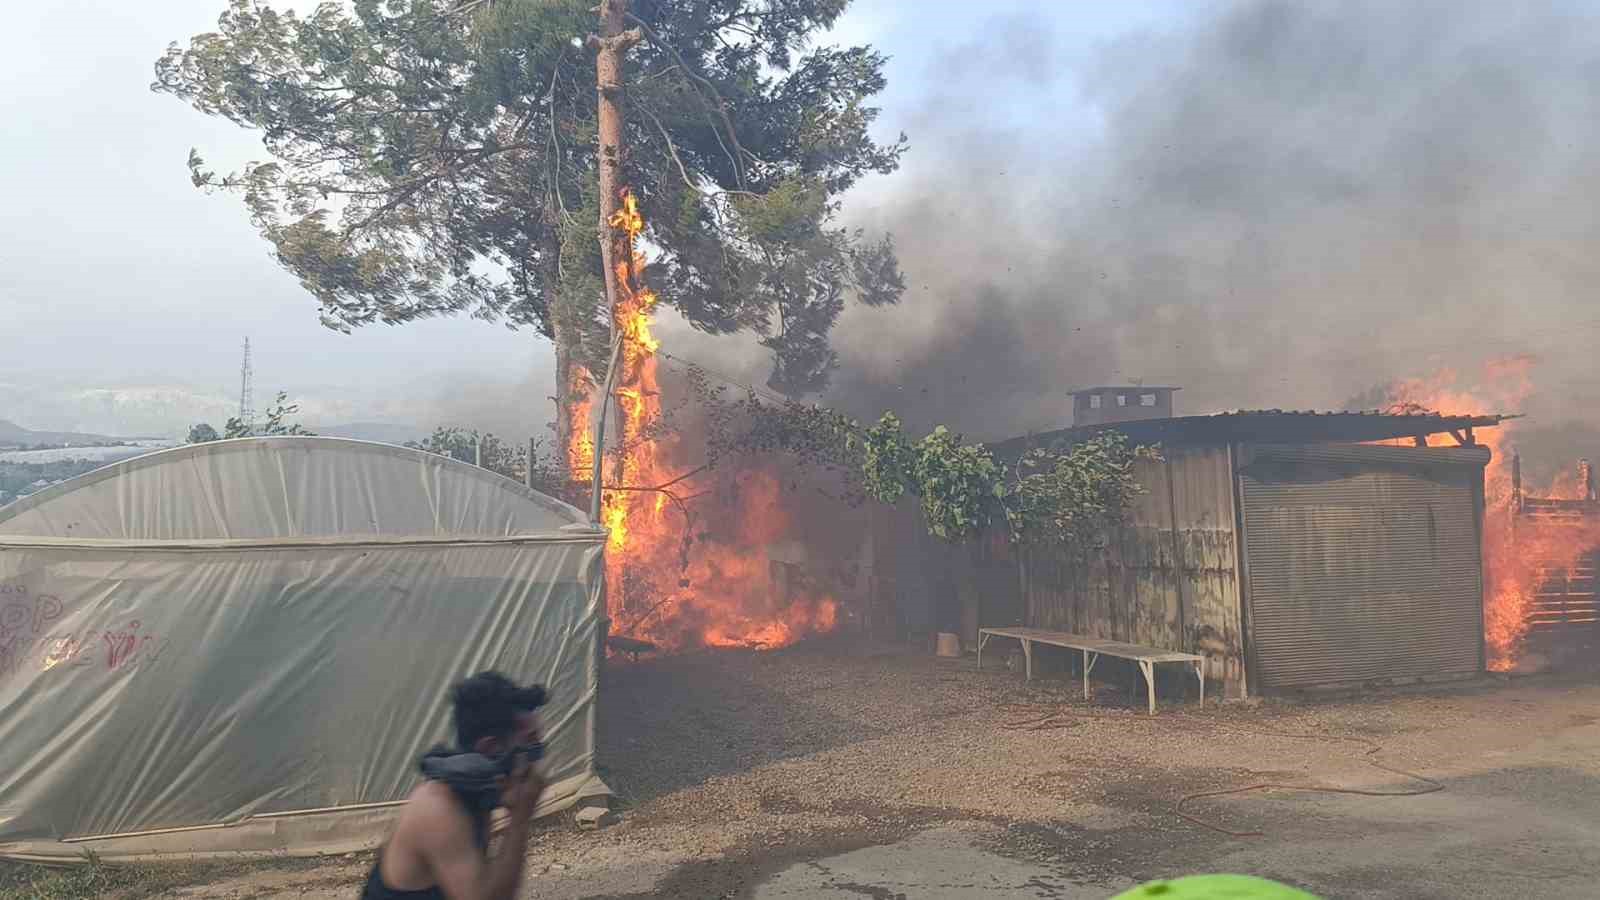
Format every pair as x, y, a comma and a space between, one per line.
610, 46
723, 596
616, 246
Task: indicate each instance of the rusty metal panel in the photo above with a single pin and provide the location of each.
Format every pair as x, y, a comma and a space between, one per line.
1203, 514
1167, 579
1364, 563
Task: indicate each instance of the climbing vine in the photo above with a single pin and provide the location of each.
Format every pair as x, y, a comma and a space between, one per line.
1073, 499
1069, 498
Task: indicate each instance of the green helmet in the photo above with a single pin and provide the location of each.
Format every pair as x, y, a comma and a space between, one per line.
1215, 887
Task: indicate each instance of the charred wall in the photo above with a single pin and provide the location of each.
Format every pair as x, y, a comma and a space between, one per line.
1168, 578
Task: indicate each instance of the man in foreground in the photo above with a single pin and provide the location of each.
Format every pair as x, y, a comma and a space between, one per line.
439, 849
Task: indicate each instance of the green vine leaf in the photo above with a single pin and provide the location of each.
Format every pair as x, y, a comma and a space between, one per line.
1070, 499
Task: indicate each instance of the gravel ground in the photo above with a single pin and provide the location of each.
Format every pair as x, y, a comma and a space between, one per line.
732, 767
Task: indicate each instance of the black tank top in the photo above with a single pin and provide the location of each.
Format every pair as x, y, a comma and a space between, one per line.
375, 889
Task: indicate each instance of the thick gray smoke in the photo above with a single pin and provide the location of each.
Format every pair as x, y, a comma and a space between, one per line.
1275, 205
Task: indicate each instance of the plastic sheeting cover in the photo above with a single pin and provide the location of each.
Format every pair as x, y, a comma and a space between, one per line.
261, 488
170, 683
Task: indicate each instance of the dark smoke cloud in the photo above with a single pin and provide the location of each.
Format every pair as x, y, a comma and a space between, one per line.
1277, 204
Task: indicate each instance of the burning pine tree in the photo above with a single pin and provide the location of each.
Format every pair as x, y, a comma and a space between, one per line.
723, 593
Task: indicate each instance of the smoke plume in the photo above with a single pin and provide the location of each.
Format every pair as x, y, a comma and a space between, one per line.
1273, 204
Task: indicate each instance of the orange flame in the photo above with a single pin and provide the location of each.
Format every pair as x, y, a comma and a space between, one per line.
1520, 554
775, 633
580, 454
722, 593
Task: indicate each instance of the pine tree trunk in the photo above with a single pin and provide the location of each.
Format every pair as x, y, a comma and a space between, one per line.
611, 45
563, 335
564, 397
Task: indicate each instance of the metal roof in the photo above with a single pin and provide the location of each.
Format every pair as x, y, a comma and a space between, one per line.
1269, 426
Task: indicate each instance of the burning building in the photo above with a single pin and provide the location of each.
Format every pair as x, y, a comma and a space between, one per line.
1291, 548
1555, 539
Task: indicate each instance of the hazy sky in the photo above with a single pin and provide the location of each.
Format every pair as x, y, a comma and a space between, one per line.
115, 272
119, 272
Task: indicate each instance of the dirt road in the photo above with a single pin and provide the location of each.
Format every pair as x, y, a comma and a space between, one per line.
837, 770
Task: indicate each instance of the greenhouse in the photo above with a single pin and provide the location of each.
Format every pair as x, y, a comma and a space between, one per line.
243, 646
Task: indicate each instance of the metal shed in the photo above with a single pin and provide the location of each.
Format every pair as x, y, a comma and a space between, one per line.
1363, 563
1289, 548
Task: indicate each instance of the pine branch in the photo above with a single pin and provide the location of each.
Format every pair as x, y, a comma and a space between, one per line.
716, 101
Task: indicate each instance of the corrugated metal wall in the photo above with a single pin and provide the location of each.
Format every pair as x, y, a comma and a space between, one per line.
1206, 525
1363, 562
1167, 579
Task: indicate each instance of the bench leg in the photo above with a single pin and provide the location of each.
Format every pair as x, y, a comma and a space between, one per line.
1200, 675
1149, 683
1089, 659
982, 639
1027, 657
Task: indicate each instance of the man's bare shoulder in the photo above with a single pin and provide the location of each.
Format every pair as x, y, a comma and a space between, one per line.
432, 805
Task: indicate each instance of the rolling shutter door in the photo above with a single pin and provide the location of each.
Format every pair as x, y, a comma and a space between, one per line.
1363, 562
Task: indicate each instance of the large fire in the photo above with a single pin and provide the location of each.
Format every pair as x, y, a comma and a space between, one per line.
1520, 553
689, 560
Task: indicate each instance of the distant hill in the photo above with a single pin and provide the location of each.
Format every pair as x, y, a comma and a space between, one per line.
11, 433
382, 432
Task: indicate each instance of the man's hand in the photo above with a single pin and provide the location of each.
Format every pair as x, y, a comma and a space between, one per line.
521, 792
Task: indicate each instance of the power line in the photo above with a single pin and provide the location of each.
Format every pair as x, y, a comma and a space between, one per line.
727, 379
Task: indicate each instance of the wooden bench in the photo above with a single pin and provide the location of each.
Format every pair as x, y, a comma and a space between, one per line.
1093, 649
